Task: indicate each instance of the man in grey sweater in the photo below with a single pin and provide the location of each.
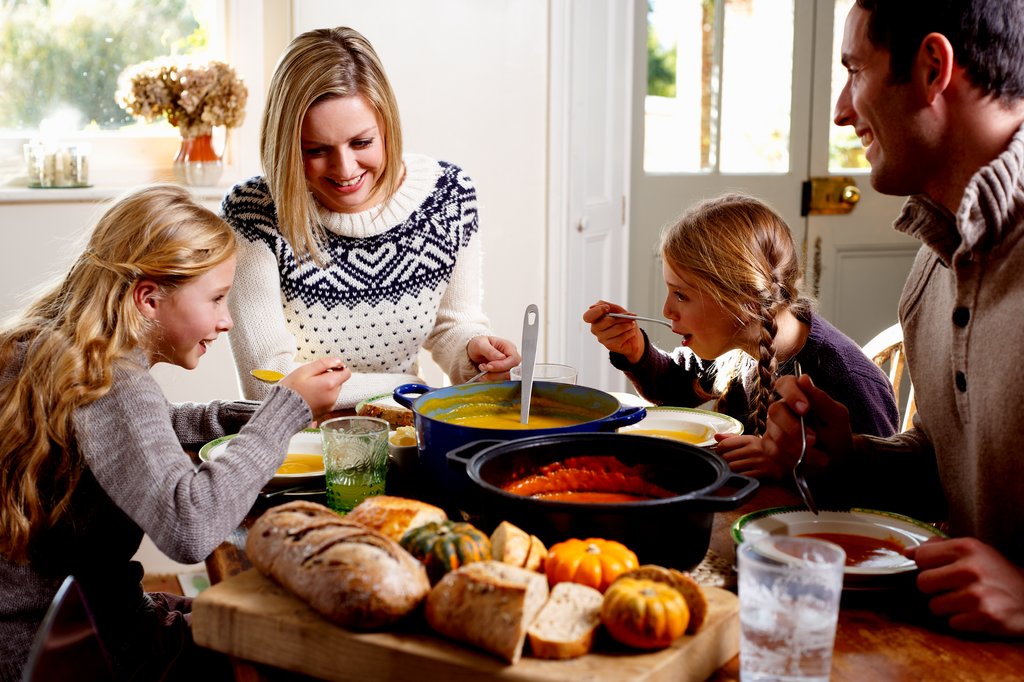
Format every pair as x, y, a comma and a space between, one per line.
936, 94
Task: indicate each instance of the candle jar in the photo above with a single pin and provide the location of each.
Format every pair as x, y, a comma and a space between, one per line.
65, 165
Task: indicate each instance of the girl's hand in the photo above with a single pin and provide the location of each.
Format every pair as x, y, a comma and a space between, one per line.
746, 455
318, 382
615, 334
496, 355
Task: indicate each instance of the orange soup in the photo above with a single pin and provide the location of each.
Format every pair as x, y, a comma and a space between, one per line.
588, 479
674, 435
302, 463
861, 550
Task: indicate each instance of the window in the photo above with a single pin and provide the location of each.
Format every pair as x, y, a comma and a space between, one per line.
716, 104
59, 65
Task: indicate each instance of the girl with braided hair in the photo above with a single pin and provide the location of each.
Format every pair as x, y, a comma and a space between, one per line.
92, 454
732, 274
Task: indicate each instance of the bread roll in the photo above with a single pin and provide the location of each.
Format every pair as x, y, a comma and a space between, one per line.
681, 582
352, 575
538, 554
395, 516
565, 627
488, 604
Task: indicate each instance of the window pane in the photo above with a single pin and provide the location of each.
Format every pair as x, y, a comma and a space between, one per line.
845, 152
684, 119
677, 119
757, 86
60, 59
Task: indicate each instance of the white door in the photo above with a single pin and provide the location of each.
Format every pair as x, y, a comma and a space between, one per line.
589, 153
758, 73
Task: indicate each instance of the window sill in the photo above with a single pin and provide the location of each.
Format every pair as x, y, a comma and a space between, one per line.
95, 194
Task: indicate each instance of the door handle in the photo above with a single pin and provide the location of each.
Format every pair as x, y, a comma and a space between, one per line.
829, 196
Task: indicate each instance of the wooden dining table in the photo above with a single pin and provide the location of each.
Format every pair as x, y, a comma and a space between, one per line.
887, 634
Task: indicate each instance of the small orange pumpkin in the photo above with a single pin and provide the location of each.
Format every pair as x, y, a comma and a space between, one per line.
592, 562
644, 614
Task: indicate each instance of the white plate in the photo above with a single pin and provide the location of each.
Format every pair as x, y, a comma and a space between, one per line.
897, 528
694, 426
305, 442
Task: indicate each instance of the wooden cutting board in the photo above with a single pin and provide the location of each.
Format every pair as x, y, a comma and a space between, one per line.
251, 617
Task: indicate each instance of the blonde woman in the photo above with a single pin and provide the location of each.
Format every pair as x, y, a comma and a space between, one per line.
348, 247
732, 275
91, 453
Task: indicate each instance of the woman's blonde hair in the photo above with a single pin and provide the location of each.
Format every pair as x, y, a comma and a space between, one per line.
319, 65
72, 335
741, 254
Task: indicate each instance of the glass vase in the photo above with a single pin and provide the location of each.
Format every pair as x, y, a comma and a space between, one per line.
197, 163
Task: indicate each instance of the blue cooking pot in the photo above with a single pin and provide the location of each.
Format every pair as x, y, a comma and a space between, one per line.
597, 411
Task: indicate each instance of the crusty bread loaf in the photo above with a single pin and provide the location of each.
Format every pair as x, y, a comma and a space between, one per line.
681, 582
488, 604
395, 516
352, 575
565, 627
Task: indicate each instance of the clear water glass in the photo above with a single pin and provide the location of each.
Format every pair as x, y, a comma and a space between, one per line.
355, 460
789, 589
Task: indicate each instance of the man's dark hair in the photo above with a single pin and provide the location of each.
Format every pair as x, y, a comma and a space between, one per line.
987, 37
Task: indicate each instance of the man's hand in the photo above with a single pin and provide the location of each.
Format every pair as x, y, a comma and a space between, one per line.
973, 585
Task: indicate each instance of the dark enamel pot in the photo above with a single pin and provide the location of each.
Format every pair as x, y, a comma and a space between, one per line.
673, 531
597, 411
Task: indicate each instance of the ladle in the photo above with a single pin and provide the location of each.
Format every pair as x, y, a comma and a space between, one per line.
531, 324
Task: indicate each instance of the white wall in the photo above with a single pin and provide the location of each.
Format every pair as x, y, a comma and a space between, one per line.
471, 80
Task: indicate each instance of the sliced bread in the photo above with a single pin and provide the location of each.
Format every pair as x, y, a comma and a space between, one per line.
565, 627
488, 604
682, 583
510, 544
538, 553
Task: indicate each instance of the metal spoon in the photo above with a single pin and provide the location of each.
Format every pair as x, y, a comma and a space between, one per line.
626, 316
798, 470
531, 324
267, 376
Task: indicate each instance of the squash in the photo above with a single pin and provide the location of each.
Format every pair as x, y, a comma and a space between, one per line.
444, 546
592, 562
644, 614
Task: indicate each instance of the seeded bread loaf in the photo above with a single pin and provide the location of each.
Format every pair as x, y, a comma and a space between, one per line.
682, 583
488, 604
565, 627
395, 516
352, 575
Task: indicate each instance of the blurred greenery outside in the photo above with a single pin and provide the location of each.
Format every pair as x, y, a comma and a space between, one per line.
61, 56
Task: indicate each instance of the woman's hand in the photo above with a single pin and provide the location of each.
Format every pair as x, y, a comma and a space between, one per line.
493, 354
616, 334
746, 455
972, 584
318, 382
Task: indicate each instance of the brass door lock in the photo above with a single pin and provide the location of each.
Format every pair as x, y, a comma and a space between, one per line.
829, 196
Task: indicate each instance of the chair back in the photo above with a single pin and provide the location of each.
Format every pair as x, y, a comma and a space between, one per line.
886, 351
67, 645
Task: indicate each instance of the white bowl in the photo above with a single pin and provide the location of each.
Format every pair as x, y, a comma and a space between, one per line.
687, 424
303, 442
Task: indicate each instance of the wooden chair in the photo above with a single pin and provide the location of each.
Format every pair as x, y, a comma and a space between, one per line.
887, 349
67, 645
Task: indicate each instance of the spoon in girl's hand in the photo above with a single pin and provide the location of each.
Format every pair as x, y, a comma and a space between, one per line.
267, 376
626, 316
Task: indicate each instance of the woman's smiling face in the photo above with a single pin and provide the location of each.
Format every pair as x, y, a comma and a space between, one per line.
343, 153
707, 328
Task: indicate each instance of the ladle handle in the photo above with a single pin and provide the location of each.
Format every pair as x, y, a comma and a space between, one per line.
531, 325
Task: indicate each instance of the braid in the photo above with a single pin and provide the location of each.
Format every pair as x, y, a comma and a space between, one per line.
767, 362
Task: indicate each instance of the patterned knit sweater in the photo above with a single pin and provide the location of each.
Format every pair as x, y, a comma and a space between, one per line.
398, 277
137, 479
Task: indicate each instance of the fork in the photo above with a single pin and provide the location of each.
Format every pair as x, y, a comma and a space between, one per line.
798, 469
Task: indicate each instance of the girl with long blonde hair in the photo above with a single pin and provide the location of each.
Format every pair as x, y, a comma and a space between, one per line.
732, 277
91, 452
